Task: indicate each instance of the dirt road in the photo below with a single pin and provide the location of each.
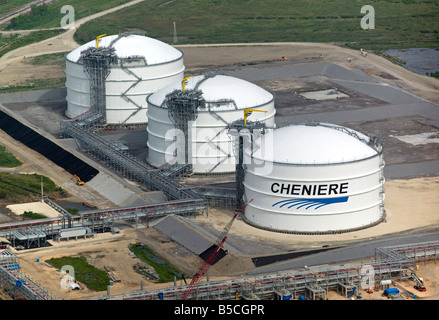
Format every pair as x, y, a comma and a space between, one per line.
13, 68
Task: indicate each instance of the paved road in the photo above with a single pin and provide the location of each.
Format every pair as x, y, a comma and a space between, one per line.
398, 103
354, 251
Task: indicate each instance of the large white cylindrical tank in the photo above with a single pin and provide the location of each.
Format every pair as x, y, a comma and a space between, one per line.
212, 148
314, 178
144, 66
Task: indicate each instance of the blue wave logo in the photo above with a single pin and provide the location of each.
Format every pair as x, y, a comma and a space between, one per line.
309, 203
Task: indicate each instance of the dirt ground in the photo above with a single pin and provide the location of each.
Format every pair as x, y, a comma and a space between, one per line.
111, 250
428, 272
33, 162
405, 199
200, 56
36, 207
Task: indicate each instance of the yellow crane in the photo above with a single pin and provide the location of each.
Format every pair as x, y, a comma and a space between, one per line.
97, 39
248, 112
184, 82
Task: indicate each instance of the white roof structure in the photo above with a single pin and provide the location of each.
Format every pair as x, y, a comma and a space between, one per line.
218, 88
314, 144
154, 51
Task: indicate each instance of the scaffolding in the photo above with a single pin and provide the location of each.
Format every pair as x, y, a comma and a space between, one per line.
27, 238
17, 283
420, 252
239, 131
96, 64
182, 111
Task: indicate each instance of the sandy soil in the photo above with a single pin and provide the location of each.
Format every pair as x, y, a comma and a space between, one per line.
111, 250
36, 207
103, 249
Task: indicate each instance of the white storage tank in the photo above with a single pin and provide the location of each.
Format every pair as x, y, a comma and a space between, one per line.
226, 98
144, 65
314, 178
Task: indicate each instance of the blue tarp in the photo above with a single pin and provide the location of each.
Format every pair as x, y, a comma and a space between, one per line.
391, 291
18, 283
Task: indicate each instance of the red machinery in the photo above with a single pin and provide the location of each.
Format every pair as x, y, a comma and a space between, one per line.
209, 261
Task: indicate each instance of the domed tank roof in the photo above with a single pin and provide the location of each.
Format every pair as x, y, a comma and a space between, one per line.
219, 88
154, 51
314, 144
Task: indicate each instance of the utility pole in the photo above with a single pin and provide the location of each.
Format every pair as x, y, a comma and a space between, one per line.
42, 196
175, 34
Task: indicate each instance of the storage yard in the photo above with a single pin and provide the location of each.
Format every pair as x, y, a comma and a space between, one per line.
134, 195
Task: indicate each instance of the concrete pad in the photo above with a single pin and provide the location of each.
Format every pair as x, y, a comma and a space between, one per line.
181, 233
109, 188
421, 138
329, 94
36, 207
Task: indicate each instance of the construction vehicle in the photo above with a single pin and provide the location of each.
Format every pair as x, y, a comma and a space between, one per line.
211, 258
419, 283
79, 182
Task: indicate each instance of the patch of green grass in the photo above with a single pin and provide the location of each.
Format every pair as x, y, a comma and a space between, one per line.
35, 84
92, 277
33, 37
7, 6
73, 211
397, 23
7, 39
50, 59
50, 15
164, 269
33, 215
7, 159
16, 187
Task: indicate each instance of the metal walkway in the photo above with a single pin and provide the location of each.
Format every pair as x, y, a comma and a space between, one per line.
14, 281
125, 164
51, 226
